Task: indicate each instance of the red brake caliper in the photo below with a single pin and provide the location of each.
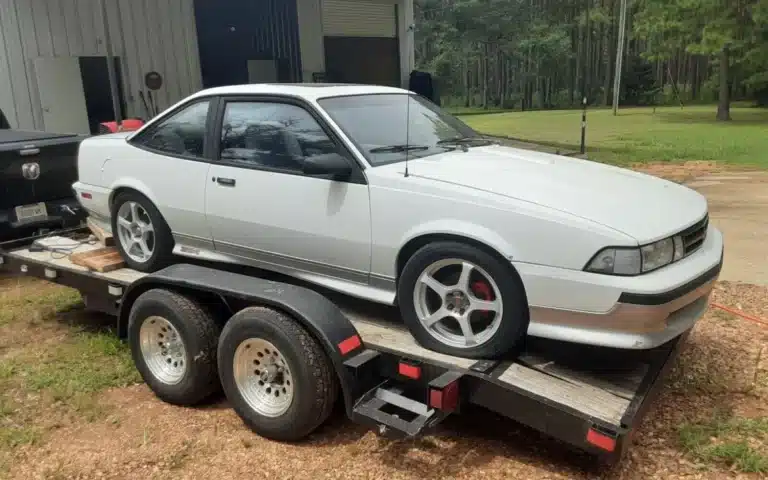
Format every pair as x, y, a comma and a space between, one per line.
483, 291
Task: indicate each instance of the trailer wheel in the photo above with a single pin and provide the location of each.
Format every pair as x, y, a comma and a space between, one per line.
173, 342
275, 374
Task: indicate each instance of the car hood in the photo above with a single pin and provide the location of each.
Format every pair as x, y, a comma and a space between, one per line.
644, 207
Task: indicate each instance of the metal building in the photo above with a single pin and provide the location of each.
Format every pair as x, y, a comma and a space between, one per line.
54, 71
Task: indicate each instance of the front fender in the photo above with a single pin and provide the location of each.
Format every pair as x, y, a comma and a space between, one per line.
461, 228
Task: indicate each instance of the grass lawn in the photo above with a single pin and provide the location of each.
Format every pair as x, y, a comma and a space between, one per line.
640, 135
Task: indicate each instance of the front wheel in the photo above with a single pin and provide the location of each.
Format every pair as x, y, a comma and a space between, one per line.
459, 300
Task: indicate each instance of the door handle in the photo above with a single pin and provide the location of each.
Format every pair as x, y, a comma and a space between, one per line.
227, 182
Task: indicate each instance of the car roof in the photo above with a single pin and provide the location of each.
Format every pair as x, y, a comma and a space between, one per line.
310, 91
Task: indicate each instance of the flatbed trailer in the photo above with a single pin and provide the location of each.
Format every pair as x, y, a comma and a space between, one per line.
592, 399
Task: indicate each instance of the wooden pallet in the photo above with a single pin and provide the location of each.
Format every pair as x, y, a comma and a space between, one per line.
102, 260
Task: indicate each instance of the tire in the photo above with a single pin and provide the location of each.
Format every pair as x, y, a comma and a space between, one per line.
314, 387
163, 240
512, 323
199, 332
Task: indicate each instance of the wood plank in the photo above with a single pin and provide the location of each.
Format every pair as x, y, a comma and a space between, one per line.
104, 236
58, 253
586, 399
624, 383
105, 259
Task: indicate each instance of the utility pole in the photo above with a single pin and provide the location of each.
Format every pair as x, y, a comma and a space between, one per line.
619, 55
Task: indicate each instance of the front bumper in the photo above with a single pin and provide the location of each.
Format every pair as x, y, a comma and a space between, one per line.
640, 312
62, 213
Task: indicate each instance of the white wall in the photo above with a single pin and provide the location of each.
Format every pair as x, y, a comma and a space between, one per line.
151, 35
311, 37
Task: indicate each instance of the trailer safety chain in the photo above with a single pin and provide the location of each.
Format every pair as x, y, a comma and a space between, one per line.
741, 314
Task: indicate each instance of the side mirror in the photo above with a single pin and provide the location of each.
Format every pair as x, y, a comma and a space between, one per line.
332, 164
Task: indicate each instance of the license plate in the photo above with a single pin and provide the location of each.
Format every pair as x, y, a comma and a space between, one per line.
31, 212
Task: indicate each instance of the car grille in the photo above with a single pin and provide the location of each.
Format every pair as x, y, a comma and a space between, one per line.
694, 236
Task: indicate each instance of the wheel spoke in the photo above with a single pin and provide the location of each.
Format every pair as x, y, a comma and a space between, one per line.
463, 283
440, 314
142, 243
487, 305
123, 222
466, 330
146, 228
135, 212
432, 283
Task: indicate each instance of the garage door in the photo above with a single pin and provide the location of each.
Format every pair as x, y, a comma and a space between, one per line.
359, 18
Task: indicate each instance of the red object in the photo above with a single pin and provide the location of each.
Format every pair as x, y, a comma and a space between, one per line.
410, 371
601, 440
349, 344
86, 195
741, 314
483, 291
446, 399
127, 125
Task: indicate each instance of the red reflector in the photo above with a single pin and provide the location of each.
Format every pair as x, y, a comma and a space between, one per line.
446, 399
349, 344
601, 440
86, 195
410, 371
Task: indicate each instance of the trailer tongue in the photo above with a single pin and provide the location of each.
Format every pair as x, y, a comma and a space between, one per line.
589, 398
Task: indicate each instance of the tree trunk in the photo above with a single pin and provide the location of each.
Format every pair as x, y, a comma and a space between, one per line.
724, 100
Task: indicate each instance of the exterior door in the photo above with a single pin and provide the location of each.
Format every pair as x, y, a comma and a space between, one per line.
62, 96
261, 207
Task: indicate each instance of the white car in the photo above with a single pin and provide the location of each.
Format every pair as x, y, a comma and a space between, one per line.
378, 193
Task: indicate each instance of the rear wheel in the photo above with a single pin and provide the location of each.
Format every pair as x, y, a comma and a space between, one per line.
459, 300
275, 374
173, 342
143, 238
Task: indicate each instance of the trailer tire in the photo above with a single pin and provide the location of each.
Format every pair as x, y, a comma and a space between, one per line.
162, 317
297, 358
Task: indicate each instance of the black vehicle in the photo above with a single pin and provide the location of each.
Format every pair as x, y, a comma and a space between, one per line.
195, 330
37, 170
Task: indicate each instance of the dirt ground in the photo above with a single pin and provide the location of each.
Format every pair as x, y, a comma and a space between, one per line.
72, 407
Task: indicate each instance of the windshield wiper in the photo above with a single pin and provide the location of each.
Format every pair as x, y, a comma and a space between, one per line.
464, 141
399, 148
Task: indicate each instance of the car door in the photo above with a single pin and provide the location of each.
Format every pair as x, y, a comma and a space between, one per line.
169, 165
260, 205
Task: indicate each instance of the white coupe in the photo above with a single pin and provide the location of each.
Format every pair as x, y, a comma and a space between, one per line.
380, 194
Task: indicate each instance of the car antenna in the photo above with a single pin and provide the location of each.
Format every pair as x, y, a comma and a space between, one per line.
411, 29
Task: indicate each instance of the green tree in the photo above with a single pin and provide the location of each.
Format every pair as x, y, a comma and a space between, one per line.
729, 32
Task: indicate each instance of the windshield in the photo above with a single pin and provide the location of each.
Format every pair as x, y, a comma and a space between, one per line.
376, 124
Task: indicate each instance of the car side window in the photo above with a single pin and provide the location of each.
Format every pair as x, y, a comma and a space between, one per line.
273, 135
183, 133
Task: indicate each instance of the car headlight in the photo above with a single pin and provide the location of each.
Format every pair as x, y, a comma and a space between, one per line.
637, 260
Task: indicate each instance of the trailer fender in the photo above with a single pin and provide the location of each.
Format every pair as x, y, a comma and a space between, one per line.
320, 316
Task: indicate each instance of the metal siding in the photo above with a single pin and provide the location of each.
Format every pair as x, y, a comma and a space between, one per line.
357, 18
231, 32
146, 35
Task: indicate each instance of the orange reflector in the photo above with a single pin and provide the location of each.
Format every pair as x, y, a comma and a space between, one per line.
410, 371
601, 440
349, 344
86, 195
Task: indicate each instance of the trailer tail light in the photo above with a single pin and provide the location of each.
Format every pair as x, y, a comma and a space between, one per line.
601, 440
446, 398
409, 370
349, 344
